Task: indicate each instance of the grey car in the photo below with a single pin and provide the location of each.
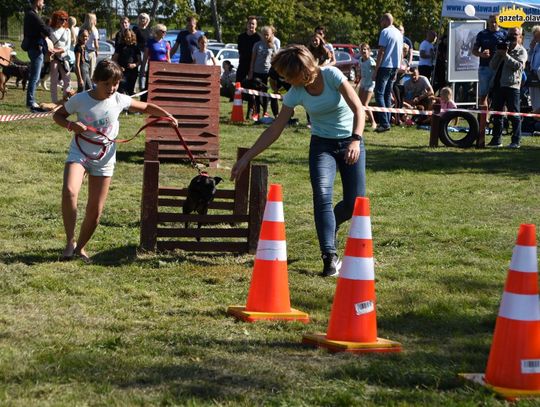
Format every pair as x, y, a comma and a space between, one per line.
106, 50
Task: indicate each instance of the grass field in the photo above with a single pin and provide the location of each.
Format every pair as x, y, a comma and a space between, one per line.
151, 329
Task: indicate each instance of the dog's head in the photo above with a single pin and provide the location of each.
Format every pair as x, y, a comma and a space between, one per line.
201, 192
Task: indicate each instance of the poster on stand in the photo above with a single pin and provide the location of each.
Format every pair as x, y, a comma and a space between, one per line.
462, 64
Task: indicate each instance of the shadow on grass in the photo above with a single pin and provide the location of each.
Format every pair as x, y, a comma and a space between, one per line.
132, 157
196, 370
423, 159
117, 256
31, 258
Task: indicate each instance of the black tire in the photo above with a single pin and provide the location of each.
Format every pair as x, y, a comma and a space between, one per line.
468, 140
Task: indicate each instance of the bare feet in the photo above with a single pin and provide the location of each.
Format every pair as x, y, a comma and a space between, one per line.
69, 251
82, 255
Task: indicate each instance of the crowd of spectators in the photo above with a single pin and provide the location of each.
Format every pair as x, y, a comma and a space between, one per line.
507, 74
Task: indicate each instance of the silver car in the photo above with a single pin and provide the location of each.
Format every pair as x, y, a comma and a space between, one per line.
106, 50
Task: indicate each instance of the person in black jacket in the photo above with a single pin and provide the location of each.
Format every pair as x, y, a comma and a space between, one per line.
35, 32
245, 42
129, 59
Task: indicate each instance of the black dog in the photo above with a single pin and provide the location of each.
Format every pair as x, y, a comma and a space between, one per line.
201, 192
19, 71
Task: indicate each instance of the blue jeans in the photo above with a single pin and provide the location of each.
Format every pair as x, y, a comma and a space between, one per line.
383, 93
36, 63
325, 157
509, 97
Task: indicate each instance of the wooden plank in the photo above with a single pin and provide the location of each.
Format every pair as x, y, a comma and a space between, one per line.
224, 206
233, 247
180, 217
149, 207
257, 201
172, 191
202, 232
241, 186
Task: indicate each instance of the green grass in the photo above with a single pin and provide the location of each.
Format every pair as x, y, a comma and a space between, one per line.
151, 329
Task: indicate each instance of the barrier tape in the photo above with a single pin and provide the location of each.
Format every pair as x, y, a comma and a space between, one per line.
404, 111
257, 93
26, 116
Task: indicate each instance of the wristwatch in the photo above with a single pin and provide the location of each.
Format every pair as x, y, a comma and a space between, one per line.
357, 137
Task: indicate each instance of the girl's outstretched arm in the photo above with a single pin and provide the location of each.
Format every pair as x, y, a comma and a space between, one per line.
150, 109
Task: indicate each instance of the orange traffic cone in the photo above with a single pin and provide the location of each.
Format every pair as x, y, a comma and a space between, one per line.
268, 296
513, 368
353, 320
237, 114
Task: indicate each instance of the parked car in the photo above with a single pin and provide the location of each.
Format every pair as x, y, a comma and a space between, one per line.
170, 37
348, 65
415, 56
351, 49
106, 50
222, 54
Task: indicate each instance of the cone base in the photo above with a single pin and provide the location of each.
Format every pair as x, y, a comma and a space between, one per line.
381, 345
240, 312
508, 394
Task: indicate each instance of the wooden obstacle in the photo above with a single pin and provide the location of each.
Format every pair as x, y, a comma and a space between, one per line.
234, 229
191, 93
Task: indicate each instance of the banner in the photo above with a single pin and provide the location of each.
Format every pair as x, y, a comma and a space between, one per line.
484, 8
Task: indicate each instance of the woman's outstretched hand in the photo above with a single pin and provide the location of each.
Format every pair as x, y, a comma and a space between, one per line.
353, 152
238, 168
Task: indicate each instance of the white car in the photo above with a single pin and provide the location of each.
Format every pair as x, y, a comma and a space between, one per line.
226, 54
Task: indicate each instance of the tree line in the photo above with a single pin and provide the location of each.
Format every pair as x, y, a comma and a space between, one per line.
347, 21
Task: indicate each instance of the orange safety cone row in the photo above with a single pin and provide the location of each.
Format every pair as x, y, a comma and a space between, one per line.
513, 368
268, 296
237, 113
353, 321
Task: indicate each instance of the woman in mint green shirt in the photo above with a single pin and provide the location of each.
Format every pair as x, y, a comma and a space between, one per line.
337, 124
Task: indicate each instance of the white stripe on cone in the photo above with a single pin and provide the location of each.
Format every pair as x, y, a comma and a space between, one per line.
357, 268
272, 250
524, 259
360, 227
273, 211
520, 307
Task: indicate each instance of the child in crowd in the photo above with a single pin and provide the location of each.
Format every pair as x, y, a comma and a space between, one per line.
88, 154
203, 56
367, 84
82, 62
263, 51
227, 80
129, 59
447, 102
446, 97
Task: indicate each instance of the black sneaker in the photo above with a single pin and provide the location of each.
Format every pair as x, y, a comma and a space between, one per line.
331, 265
495, 143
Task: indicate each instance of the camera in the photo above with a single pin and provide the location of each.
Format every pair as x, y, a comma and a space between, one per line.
503, 45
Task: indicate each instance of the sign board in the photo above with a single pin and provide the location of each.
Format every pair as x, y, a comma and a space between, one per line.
462, 64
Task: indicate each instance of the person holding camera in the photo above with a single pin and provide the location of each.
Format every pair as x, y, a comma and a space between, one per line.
508, 64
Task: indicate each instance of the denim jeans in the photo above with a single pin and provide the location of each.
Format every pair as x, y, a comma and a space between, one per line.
36, 63
509, 97
326, 156
383, 93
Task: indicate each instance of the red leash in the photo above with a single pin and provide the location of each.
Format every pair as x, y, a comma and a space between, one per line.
106, 142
